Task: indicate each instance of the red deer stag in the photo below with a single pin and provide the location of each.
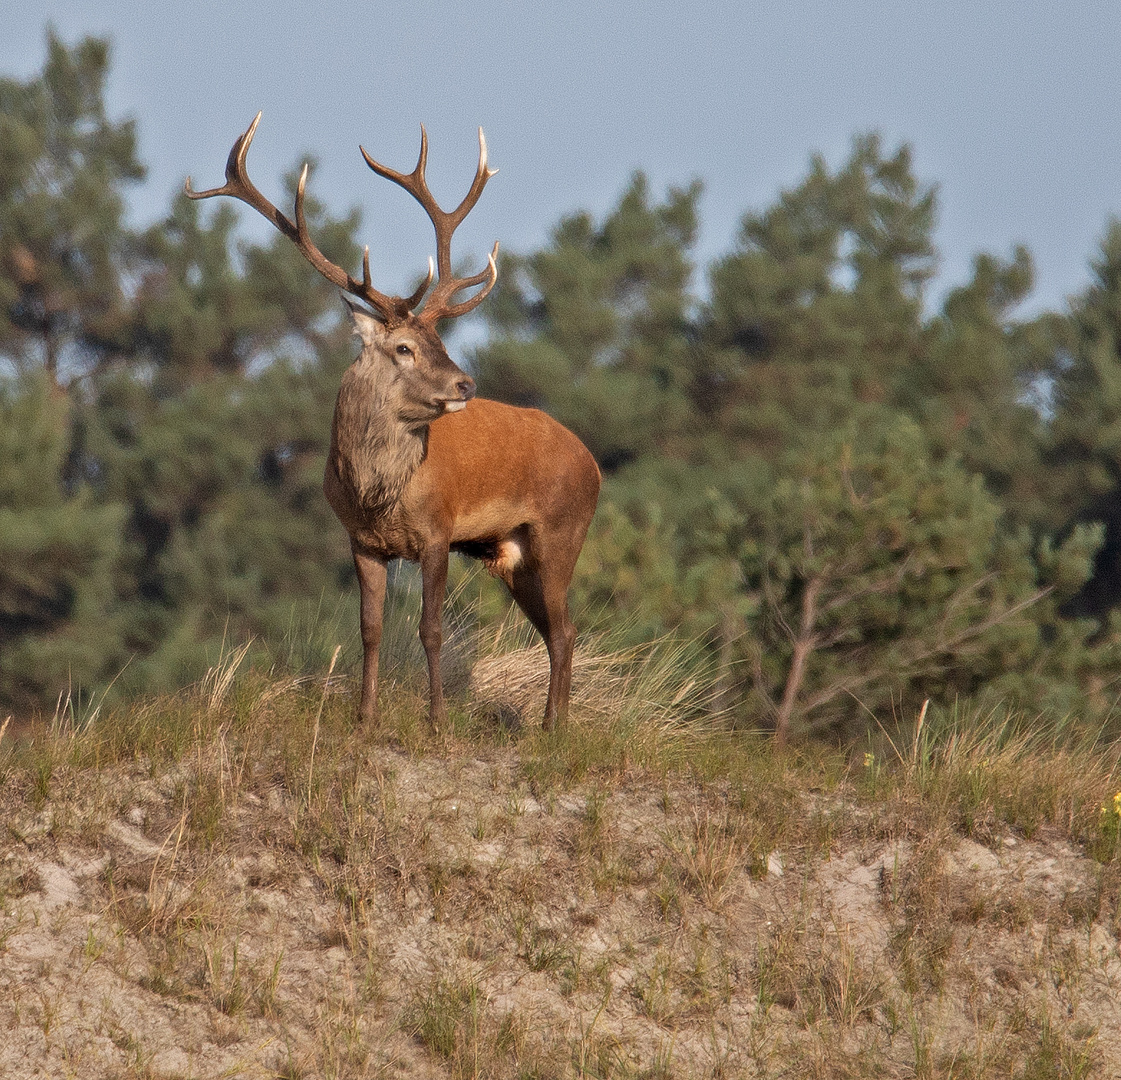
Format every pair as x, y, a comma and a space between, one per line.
419, 466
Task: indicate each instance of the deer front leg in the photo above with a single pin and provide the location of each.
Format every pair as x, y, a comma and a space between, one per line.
434, 577
371, 584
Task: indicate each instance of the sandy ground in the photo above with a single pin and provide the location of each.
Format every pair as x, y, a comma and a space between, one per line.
460, 923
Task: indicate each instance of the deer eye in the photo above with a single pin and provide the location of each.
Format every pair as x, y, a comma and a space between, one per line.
404, 350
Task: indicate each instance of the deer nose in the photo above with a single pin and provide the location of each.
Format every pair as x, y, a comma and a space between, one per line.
466, 388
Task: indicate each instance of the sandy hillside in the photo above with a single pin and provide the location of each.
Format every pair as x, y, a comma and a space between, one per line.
463, 911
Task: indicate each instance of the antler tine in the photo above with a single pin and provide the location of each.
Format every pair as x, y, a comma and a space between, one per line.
482, 175
489, 274
239, 186
414, 183
335, 274
445, 223
422, 288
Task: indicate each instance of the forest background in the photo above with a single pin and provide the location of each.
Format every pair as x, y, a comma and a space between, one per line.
845, 501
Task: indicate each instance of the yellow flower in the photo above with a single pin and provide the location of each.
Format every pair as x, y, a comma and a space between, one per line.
870, 760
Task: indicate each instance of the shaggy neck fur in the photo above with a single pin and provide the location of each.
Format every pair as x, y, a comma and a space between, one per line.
374, 452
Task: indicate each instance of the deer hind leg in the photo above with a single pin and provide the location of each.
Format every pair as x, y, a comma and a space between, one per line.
542, 593
371, 584
434, 576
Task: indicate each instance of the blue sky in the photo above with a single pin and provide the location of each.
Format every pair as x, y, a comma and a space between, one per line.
1012, 109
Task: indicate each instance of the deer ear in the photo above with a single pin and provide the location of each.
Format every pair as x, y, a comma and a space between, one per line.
367, 325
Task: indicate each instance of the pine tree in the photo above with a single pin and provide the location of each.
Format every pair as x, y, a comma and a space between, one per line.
193, 407
847, 500
215, 436
1085, 394
60, 627
594, 328
64, 167
820, 306
975, 392
882, 569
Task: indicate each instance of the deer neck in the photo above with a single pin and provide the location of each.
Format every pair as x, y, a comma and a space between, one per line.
374, 452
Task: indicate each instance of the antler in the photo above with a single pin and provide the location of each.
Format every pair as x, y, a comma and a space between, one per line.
241, 187
445, 224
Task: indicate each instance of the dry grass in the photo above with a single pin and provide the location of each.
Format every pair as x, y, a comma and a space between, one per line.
236, 881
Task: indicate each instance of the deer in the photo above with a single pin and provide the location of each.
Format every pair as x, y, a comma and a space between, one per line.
419, 466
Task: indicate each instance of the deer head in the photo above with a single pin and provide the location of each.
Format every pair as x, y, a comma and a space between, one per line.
403, 355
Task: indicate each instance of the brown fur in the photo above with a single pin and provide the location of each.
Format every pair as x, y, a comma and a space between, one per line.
372, 459
410, 480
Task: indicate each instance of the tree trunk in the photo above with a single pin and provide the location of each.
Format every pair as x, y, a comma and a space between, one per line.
804, 645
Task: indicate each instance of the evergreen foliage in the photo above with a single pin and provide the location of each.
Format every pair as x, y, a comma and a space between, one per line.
193, 381
843, 498
59, 549
63, 170
594, 329
849, 499
215, 438
1084, 383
